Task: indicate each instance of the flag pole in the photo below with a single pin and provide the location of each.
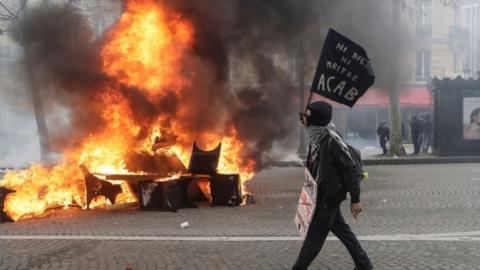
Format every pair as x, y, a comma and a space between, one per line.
308, 101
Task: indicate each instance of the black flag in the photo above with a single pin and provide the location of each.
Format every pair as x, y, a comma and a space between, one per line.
344, 72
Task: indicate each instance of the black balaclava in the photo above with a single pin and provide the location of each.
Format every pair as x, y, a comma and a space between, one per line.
320, 113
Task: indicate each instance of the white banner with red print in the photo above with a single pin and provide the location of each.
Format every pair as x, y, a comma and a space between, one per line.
306, 204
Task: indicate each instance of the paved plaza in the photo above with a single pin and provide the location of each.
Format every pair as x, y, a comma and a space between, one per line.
416, 217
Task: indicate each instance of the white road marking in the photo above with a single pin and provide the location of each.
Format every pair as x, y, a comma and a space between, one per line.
447, 237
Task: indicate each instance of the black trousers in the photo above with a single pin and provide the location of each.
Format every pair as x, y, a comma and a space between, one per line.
324, 221
383, 144
416, 143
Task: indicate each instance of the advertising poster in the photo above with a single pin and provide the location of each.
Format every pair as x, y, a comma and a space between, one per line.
471, 118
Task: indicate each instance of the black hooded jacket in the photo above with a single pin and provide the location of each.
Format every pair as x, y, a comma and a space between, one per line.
335, 170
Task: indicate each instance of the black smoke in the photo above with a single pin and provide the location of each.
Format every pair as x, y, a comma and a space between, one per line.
263, 39
234, 33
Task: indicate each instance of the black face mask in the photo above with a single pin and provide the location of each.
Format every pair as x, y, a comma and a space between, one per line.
307, 119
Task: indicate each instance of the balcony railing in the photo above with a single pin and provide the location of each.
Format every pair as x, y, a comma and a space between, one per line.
424, 31
458, 33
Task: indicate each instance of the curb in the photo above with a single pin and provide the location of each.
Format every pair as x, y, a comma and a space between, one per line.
420, 160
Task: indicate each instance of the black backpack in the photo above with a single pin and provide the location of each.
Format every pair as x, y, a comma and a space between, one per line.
357, 158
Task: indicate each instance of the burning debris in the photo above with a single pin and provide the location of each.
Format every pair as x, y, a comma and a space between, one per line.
3, 194
135, 102
201, 185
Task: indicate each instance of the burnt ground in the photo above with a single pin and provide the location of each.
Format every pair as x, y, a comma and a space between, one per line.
416, 217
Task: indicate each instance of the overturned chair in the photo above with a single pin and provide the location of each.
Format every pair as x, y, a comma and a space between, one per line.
200, 186
96, 187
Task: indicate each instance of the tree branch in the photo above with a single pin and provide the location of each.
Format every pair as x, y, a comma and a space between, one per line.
7, 9
5, 17
20, 10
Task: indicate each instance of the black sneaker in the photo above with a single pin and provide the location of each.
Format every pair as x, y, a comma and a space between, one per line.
370, 267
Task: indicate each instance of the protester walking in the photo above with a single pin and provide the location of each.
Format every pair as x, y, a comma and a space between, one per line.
336, 173
416, 128
383, 133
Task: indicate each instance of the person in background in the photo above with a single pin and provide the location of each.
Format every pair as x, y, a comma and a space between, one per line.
403, 132
383, 133
336, 172
416, 127
427, 133
420, 135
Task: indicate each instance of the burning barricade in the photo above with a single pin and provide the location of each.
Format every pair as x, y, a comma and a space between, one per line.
135, 102
199, 185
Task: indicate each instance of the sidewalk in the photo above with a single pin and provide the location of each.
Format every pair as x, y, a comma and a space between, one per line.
371, 155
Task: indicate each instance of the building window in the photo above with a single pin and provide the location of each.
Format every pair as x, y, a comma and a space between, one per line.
424, 18
424, 12
471, 20
456, 16
424, 65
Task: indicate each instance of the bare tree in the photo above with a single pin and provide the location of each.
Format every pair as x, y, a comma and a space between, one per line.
395, 115
387, 41
10, 17
396, 147
12, 22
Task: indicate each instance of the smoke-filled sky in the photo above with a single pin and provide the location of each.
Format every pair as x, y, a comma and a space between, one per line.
65, 57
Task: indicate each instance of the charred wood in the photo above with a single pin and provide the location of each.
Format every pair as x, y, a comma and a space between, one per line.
3, 195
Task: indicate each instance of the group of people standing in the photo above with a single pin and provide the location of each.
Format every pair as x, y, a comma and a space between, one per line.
421, 127
422, 133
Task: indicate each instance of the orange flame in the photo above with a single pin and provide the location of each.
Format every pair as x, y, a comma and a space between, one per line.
144, 50
146, 47
40, 188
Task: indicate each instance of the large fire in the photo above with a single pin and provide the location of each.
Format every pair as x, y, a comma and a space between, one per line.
144, 50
